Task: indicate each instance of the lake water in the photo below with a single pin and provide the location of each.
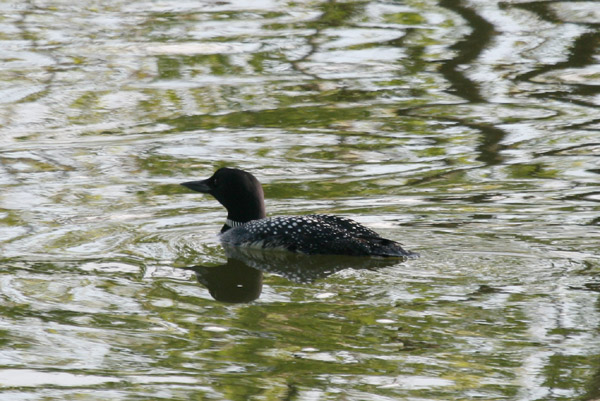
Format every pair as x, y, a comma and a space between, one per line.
467, 130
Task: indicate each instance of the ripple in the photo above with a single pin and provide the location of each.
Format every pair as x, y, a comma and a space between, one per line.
35, 378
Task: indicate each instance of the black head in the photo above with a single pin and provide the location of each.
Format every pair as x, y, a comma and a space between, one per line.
239, 191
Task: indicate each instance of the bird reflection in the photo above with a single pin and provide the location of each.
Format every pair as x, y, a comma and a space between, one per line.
233, 282
240, 279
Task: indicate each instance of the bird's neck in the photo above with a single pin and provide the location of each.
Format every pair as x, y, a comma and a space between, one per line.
229, 224
253, 210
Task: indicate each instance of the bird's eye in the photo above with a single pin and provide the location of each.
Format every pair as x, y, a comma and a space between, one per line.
215, 182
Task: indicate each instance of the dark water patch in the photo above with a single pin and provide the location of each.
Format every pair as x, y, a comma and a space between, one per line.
468, 50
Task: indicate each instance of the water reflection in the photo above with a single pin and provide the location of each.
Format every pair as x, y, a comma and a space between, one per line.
233, 282
241, 278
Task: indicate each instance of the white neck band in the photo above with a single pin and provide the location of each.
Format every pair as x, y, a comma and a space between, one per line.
233, 224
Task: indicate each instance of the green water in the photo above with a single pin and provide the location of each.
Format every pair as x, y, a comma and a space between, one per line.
468, 131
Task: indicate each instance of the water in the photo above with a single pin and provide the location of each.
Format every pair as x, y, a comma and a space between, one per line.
467, 130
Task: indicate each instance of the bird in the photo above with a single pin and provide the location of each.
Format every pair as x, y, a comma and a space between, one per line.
247, 224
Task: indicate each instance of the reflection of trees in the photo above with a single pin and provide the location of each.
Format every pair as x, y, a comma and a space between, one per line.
583, 52
467, 50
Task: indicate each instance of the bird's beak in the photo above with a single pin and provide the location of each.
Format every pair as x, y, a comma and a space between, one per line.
200, 186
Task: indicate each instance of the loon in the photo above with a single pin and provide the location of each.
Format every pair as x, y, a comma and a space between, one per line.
248, 226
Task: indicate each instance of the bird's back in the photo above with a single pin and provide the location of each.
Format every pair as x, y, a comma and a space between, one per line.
313, 234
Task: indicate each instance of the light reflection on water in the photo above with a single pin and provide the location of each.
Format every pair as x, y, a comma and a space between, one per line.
466, 130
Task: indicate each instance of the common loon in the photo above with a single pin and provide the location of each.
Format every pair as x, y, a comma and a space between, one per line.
247, 225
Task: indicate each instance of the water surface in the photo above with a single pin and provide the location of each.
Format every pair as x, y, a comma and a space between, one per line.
467, 130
